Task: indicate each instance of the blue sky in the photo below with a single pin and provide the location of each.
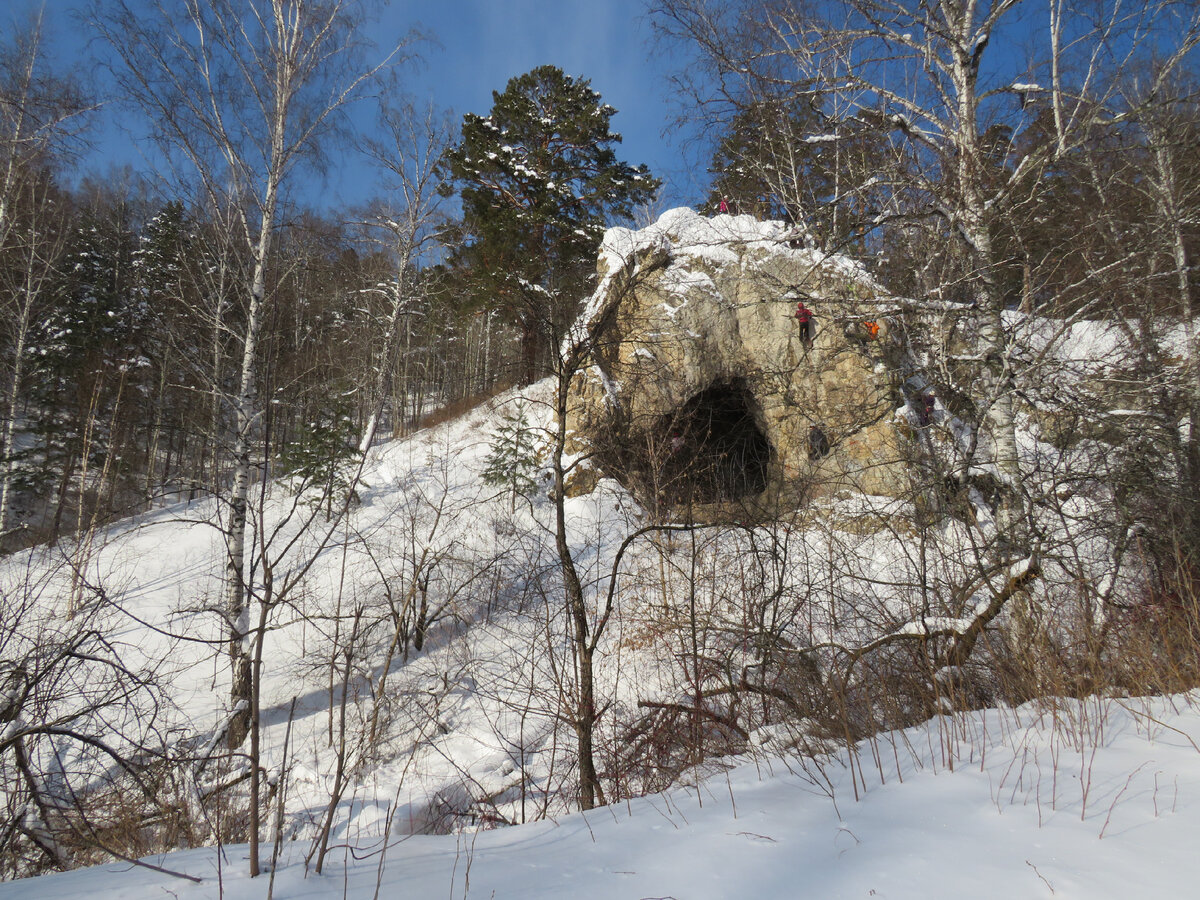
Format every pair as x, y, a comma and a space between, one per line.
484, 44
480, 44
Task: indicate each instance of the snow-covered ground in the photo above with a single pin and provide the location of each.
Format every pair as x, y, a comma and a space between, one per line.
471, 729
1094, 799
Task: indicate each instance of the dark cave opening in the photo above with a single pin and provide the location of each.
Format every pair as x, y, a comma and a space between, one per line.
712, 448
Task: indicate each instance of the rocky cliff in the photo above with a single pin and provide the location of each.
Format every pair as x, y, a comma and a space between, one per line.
702, 388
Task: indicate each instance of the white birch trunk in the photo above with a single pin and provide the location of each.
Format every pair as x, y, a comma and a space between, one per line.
247, 413
12, 405
976, 230
390, 345
1172, 215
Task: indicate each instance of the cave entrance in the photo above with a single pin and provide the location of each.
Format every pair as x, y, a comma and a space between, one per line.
716, 451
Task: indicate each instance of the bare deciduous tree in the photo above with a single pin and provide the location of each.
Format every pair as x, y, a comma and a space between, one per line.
242, 93
39, 114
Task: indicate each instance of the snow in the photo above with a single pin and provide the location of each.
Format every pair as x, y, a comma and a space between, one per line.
698, 245
1020, 568
1097, 798
1092, 798
716, 239
612, 388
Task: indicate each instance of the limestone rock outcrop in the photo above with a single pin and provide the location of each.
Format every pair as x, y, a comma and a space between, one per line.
701, 386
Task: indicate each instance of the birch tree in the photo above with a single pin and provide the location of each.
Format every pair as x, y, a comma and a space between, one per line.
985, 114
410, 154
240, 93
1175, 195
40, 114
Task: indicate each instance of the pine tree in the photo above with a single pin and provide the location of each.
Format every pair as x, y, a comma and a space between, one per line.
512, 462
539, 181
321, 457
87, 352
754, 165
158, 261
163, 284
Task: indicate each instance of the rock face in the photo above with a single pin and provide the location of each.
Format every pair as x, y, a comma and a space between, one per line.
702, 388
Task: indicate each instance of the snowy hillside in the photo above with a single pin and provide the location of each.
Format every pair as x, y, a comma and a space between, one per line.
420, 680
1088, 799
1095, 799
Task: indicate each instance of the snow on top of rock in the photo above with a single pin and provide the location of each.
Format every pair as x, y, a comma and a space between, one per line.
685, 231
721, 240
718, 241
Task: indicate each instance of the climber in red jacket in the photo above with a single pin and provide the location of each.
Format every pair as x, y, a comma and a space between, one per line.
804, 317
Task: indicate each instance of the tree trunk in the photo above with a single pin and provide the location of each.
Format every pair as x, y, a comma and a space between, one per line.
237, 605
10, 419
1169, 207
531, 347
584, 719
974, 224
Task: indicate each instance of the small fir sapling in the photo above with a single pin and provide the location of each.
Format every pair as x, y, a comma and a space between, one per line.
512, 462
322, 457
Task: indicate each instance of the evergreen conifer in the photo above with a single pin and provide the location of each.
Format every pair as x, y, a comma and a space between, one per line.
539, 182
